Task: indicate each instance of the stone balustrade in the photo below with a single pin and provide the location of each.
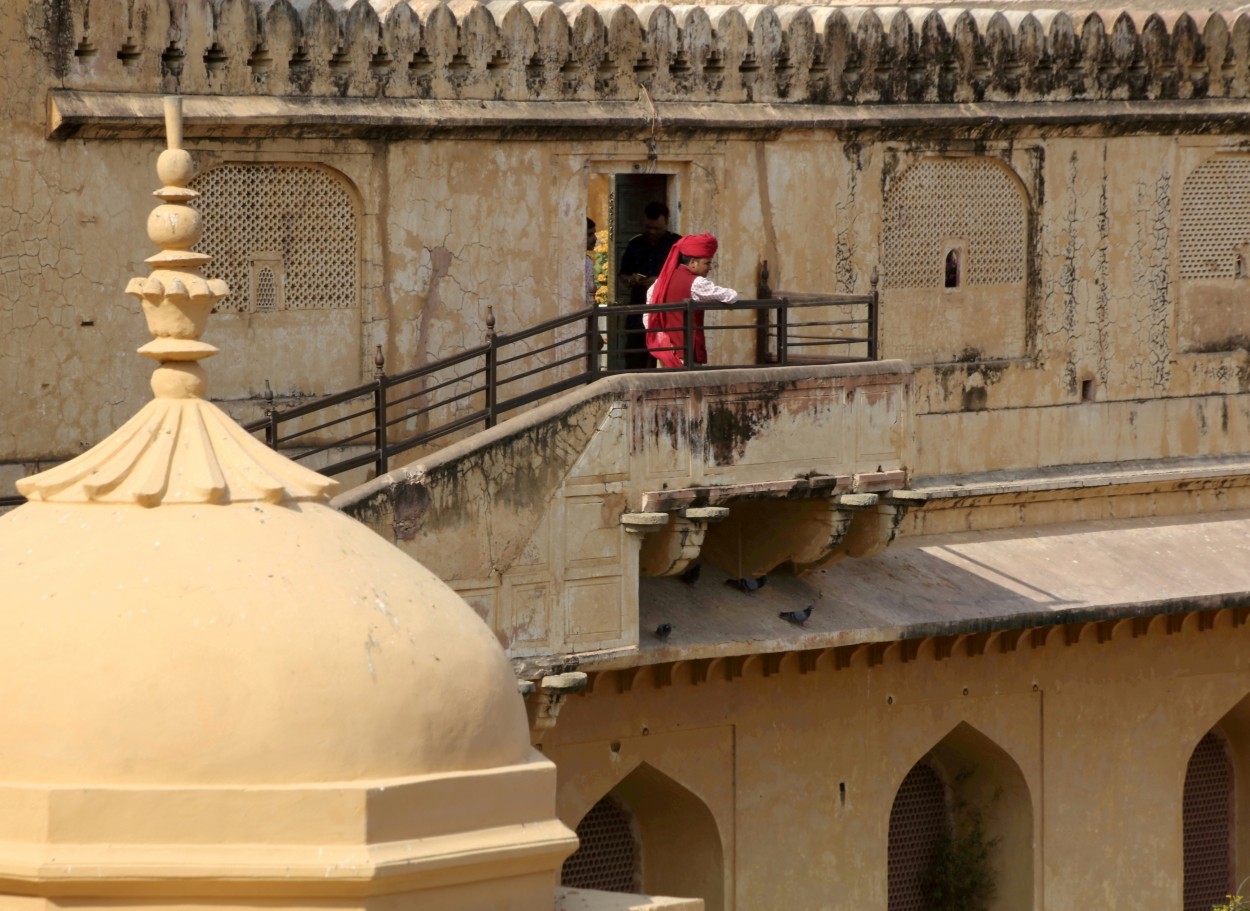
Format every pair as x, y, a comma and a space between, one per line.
541, 51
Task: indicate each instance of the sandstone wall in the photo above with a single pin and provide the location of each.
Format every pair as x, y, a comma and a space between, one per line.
1080, 746
824, 134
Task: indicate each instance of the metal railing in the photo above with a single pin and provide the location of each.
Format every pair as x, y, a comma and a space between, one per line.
371, 424
395, 413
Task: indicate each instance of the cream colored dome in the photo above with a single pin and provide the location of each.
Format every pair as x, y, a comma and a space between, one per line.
245, 643
180, 606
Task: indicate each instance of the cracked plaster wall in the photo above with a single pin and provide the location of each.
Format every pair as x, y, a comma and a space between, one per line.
453, 226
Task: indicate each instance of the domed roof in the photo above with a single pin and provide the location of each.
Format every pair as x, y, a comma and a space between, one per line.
252, 642
181, 607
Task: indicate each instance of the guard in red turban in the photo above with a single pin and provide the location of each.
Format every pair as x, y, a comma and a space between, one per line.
684, 277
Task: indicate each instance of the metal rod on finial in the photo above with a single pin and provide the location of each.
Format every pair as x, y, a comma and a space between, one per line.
173, 121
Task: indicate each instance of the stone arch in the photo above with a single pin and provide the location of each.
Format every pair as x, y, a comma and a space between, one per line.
1231, 733
978, 207
680, 846
976, 776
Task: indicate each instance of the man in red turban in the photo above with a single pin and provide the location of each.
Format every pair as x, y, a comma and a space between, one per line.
684, 277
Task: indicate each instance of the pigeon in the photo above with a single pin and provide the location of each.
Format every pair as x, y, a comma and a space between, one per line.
748, 585
691, 575
797, 617
662, 631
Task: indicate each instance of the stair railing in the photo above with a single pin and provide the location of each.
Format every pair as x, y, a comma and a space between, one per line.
370, 424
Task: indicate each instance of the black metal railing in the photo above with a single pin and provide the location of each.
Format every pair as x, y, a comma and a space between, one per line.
374, 422
395, 413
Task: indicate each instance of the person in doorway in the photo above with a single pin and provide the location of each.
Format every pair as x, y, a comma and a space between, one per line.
684, 277
641, 263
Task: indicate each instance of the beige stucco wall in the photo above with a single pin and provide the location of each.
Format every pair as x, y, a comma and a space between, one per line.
1100, 732
450, 226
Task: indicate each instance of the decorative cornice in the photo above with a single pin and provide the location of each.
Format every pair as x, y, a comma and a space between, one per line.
122, 115
540, 51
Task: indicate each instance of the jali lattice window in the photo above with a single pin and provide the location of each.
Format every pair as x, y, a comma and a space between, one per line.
608, 856
1215, 219
919, 820
972, 198
1207, 815
284, 236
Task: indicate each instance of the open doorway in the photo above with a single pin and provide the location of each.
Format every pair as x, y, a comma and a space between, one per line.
617, 203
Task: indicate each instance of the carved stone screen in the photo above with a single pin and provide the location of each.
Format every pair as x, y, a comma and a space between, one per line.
608, 856
1207, 814
1215, 218
919, 821
284, 233
938, 200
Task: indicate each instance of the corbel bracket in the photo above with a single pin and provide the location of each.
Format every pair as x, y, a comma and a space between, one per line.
677, 546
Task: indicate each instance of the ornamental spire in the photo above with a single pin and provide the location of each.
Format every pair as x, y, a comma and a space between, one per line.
176, 298
179, 448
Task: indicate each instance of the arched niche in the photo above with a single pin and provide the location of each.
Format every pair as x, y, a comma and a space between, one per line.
288, 239
954, 261
680, 848
980, 776
1231, 734
1213, 254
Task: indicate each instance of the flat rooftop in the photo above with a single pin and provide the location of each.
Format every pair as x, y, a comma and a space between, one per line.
960, 584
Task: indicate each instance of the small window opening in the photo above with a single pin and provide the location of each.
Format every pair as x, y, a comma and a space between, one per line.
1087, 390
954, 273
266, 291
1239, 268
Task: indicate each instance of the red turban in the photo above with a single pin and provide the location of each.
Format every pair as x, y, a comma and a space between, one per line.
700, 246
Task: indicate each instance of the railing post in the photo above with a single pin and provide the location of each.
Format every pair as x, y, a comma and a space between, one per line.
762, 292
783, 329
382, 462
687, 337
492, 367
872, 317
271, 429
592, 341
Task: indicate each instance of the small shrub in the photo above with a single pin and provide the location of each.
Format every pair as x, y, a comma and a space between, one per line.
961, 877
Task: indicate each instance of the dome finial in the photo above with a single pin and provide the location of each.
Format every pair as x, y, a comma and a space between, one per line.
179, 448
176, 298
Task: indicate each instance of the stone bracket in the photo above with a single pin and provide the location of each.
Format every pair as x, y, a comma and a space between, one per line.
677, 546
551, 692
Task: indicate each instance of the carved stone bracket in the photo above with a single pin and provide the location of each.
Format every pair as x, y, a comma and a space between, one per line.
678, 544
546, 699
644, 523
808, 523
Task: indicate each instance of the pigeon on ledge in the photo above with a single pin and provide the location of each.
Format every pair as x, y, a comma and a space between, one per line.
797, 617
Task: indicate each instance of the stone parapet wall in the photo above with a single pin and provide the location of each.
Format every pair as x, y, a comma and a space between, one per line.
542, 51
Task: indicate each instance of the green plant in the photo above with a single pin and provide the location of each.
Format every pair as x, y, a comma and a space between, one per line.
961, 877
1232, 903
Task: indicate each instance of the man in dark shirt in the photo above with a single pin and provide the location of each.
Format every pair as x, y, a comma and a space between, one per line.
640, 264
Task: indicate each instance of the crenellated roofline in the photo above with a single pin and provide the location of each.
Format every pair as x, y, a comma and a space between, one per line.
541, 51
